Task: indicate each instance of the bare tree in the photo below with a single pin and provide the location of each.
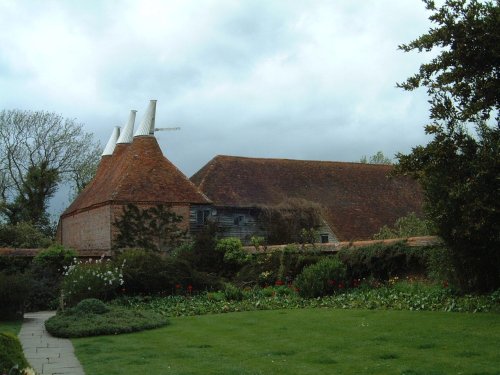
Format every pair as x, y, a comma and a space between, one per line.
32, 142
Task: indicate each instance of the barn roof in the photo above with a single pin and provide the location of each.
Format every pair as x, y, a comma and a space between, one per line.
357, 199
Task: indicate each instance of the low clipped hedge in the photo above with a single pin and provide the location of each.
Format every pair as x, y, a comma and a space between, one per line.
11, 353
383, 261
92, 317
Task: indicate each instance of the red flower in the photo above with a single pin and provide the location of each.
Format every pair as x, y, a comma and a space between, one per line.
331, 282
279, 282
190, 288
341, 286
177, 286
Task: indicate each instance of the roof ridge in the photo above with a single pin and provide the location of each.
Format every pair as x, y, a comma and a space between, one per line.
297, 160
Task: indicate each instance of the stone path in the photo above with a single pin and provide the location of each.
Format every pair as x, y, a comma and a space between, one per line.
45, 353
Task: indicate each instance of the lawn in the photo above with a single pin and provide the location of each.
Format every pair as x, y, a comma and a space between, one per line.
10, 326
303, 341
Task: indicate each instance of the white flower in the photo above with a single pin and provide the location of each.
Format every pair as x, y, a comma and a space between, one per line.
29, 371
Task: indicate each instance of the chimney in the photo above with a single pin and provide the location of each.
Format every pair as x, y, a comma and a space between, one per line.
110, 146
128, 130
147, 126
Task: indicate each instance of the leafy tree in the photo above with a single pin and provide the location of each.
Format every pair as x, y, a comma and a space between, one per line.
407, 226
155, 228
39, 151
459, 168
22, 235
30, 205
378, 158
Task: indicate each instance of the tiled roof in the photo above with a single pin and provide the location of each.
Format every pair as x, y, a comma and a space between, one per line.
357, 198
137, 173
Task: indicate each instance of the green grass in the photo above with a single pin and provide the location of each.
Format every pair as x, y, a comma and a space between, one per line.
10, 326
304, 341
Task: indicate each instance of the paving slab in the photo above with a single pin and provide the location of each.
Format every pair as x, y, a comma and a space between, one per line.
47, 354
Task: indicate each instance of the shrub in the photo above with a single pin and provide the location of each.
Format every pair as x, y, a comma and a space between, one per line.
266, 269
146, 272
381, 261
407, 226
22, 235
322, 278
11, 353
14, 290
91, 279
91, 306
47, 271
233, 293
14, 264
232, 250
74, 323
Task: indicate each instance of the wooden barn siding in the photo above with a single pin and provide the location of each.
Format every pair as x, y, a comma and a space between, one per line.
225, 218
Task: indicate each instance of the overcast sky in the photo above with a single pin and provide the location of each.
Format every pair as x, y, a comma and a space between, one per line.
287, 79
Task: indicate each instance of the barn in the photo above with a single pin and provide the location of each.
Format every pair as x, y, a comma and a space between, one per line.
356, 199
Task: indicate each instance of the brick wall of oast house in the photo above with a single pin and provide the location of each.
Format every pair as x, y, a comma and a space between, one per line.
89, 229
94, 229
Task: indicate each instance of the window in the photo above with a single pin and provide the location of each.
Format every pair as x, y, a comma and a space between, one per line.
238, 220
202, 216
324, 238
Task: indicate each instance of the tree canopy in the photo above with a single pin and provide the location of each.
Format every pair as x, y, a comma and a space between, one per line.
459, 169
40, 150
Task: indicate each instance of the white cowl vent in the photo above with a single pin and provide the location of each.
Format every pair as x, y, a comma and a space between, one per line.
110, 146
128, 131
147, 126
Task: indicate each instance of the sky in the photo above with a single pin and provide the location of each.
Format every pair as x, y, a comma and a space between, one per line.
292, 79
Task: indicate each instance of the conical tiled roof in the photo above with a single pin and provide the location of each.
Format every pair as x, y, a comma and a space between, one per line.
137, 173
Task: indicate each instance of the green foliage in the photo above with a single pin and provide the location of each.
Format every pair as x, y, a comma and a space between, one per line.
232, 250
91, 306
82, 323
10, 264
91, 279
14, 290
399, 296
258, 242
466, 68
22, 235
155, 228
146, 272
30, 204
378, 158
381, 261
11, 353
275, 267
203, 256
284, 222
232, 293
407, 226
459, 168
322, 278
47, 272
